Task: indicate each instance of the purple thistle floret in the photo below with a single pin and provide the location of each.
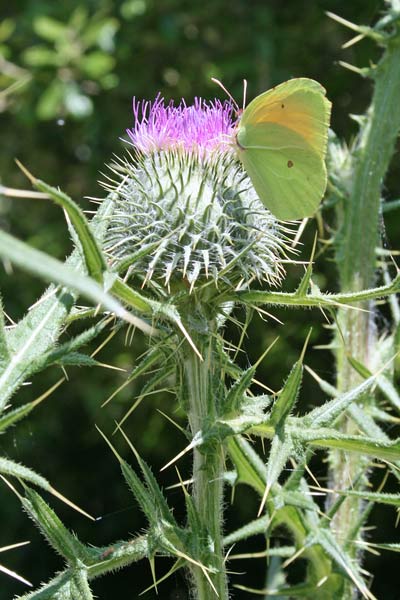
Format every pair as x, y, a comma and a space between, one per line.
202, 127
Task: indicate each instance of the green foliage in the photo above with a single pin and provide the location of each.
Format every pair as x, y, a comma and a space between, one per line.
67, 59
75, 57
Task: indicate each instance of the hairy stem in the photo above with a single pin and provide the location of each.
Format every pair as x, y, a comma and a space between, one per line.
208, 468
357, 261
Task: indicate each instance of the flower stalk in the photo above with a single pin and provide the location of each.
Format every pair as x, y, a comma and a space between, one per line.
202, 389
357, 264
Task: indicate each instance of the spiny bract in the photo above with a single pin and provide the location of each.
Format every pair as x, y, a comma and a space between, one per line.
184, 207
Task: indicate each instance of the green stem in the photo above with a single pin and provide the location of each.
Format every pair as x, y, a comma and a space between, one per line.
208, 468
357, 261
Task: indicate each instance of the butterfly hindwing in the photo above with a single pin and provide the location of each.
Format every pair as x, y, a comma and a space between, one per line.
281, 138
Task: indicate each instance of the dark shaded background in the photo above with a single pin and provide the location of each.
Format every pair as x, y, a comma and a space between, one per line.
70, 108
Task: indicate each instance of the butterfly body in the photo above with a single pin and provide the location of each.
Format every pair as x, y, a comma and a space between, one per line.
281, 140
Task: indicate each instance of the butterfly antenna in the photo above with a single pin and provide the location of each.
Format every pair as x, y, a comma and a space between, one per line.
221, 85
244, 93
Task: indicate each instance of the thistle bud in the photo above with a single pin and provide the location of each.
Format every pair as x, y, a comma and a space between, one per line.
184, 196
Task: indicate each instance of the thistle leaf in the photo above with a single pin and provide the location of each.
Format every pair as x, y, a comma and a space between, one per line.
317, 299
31, 338
152, 486
328, 412
330, 438
51, 269
56, 589
255, 527
9, 467
80, 586
93, 257
235, 394
150, 358
305, 281
149, 497
139, 490
281, 449
75, 343
13, 416
38, 331
302, 590
379, 497
250, 468
288, 396
384, 384
129, 296
342, 560
66, 544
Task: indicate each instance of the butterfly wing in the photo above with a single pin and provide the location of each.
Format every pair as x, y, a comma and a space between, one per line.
282, 138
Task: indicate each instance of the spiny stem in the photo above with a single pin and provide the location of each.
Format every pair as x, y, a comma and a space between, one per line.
357, 261
208, 466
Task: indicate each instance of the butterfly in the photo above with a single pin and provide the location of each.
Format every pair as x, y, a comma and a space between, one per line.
281, 139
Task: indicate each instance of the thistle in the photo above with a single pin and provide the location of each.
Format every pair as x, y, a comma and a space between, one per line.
184, 196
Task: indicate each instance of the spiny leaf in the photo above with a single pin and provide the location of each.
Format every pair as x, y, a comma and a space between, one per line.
129, 296
302, 590
152, 485
366, 423
151, 357
94, 260
281, 449
149, 497
151, 386
31, 338
49, 268
363, 419
383, 382
328, 412
250, 468
305, 281
342, 560
13, 416
38, 331
235, 394
77, 359
314, 299
139, 490
66, 544
379, 497
80, 586
298, 499
9, 467
76, 342
56, 589
255, 527
103, 561
330, 438
288, 396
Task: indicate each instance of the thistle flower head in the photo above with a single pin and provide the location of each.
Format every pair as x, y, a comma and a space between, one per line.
185, 209
203, 126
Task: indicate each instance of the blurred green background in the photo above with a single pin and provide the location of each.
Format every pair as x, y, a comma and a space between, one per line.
73, 68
